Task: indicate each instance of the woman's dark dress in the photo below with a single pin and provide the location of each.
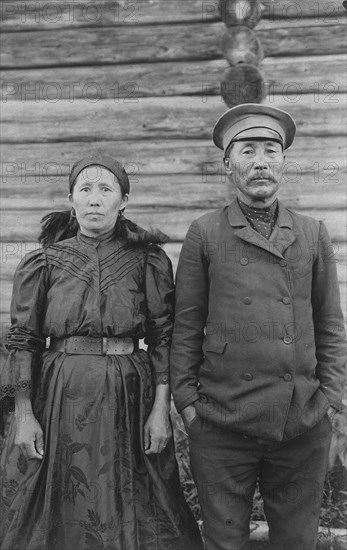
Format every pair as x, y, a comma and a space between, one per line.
95, 488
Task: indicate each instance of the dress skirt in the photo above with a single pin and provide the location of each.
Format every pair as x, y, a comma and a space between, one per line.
95, 488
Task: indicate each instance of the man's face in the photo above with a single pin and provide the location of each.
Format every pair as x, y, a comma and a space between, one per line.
255, 168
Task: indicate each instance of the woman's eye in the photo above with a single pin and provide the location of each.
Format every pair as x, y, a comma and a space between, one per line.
106, 189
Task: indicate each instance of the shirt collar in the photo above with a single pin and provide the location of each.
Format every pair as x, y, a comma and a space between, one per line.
95, 241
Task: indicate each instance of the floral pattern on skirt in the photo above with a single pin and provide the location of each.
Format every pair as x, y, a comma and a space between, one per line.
95, 487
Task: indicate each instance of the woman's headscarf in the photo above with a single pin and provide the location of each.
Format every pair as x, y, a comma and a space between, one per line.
104, 162
58, 226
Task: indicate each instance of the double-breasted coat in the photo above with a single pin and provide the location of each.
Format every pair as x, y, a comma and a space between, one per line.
258, 342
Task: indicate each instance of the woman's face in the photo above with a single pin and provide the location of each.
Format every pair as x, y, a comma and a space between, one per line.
97, 198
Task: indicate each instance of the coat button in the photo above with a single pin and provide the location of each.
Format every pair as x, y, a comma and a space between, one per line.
288, 339
287, 377
248, 376
244, 261
247, 300
286, 300
283, 263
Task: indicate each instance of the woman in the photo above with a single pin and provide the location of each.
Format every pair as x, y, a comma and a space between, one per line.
89, 458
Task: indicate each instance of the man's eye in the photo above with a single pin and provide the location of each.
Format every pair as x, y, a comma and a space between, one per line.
106, 189
248, 151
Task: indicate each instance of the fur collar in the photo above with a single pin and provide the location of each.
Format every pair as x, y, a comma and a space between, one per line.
58, 226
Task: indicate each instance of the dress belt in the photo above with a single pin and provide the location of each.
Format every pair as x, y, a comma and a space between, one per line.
89, 345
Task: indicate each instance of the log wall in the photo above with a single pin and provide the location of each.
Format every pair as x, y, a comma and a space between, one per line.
141, 80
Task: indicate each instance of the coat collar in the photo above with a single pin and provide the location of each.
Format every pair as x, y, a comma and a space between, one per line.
281, 238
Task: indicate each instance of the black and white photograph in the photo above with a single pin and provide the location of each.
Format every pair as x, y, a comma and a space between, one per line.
173, 275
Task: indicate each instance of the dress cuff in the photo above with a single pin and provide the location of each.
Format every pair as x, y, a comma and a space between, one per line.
11, 390
16, 376
161, 378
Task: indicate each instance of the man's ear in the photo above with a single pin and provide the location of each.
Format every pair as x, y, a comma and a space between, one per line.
227, 165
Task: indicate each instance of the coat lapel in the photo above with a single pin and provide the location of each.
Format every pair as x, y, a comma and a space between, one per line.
283, 235
281, 238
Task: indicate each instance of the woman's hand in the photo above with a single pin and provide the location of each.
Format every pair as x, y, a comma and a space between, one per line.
157, 431
29, 434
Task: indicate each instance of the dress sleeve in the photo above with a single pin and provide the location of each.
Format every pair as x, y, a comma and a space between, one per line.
25, 340
160, 305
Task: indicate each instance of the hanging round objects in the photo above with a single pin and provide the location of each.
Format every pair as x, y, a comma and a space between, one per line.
240, 12
241, 45
242, 84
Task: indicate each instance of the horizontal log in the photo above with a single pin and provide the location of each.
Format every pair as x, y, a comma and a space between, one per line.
152, 118
196, 156
50, 14
205, 190
162, 190
322, 74
318, 74
54, 48
24, 225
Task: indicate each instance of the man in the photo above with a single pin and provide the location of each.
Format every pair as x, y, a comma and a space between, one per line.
258, 350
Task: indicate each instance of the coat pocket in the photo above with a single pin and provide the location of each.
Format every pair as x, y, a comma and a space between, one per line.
214, 346
213, 357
